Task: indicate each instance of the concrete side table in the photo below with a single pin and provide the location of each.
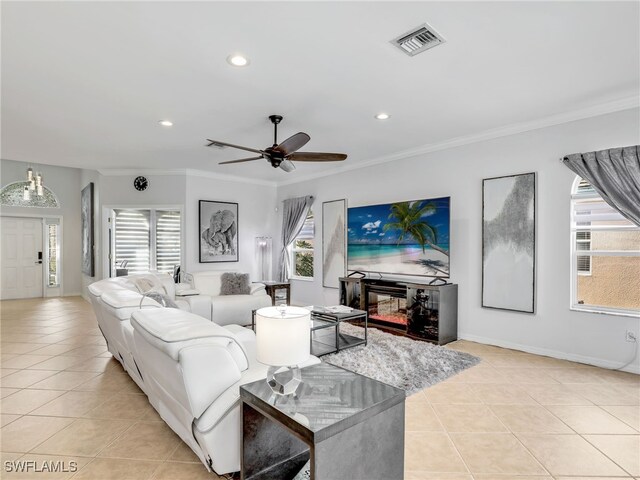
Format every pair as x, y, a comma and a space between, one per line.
345, 425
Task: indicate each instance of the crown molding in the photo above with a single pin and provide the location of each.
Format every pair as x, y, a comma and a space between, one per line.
121, 172
185, 172
622, 104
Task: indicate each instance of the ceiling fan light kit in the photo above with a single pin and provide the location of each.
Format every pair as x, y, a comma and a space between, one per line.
281, 155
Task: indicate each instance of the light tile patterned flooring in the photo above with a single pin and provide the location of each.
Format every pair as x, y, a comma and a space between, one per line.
514, 416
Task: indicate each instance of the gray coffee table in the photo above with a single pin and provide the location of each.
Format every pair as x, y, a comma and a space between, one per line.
326, 336
345, 425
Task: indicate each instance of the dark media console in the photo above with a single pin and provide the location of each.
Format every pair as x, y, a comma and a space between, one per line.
427, 312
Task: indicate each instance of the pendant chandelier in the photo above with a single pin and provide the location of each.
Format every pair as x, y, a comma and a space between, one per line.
34, 185
30, 192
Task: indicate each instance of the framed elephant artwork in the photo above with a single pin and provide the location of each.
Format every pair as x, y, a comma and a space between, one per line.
218, 231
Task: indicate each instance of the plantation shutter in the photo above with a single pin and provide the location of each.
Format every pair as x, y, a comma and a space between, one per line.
593, 213
583, 243
308, 229
167, 240
132, 239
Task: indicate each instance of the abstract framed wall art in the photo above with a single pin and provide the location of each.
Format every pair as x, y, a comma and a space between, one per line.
86, 220
334, 242
509, 242
218, 231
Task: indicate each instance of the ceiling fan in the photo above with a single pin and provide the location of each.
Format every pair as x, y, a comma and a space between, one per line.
282, 154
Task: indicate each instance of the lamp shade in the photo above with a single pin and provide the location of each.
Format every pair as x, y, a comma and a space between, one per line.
283, 335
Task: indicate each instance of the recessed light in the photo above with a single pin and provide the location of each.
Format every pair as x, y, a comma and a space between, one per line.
166, 123
238, 60
383, 116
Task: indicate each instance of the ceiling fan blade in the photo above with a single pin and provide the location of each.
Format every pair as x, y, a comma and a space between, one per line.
287, 166
316, 157
240, 160
293, 143
225, 144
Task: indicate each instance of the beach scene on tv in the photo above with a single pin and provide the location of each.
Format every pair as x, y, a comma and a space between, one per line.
406, 238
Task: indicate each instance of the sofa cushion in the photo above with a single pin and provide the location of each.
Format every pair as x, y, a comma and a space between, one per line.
123, 302
235, 284
171, 330
119, 283
207, 282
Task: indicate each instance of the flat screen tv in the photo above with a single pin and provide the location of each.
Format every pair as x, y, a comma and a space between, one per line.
402, 238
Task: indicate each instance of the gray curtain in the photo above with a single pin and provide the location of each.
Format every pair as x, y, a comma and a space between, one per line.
614, 174
294, 214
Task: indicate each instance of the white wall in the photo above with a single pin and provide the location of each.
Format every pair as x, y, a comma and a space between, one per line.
65, 183
118, 190
256, 210
458, 172
256, 218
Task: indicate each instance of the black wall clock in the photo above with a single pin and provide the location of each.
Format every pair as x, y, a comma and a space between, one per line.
141, 183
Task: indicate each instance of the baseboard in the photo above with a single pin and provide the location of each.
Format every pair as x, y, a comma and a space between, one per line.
597, 362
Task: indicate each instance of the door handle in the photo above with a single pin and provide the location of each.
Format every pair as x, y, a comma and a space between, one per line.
39, 262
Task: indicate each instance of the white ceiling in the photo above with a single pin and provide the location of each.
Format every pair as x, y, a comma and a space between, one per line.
84, 84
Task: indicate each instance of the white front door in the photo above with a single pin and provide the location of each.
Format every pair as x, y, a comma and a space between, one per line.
21, 267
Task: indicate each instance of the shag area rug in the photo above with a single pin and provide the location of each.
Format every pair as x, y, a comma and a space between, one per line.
411, 365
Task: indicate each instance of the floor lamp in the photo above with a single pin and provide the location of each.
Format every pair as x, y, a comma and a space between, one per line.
263, 257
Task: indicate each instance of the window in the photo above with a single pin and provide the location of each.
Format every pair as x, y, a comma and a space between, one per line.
167, 240
53, 253
605, 257
583, 242
147, 239
302, 250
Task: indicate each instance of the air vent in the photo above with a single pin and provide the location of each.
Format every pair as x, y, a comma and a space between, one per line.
418, 40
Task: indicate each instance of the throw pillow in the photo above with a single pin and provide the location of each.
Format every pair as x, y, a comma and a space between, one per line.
147, 284
162, 299
235, 284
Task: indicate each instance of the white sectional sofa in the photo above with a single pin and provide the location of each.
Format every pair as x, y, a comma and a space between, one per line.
189, 367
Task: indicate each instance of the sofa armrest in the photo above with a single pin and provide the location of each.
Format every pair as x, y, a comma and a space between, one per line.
228, 309
247, 338
201, 385
257, 289
199, 304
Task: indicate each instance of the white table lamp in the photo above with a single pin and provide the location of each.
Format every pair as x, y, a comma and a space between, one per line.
283, 336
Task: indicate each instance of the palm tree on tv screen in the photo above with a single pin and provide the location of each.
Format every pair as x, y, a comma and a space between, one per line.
407, 218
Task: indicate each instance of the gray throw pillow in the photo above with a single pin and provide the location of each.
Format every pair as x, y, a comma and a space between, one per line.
162, 299
235, 284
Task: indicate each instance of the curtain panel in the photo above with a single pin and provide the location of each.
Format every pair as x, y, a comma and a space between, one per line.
614, 174
294, 213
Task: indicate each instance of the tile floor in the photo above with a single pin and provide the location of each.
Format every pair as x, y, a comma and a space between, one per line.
513, 416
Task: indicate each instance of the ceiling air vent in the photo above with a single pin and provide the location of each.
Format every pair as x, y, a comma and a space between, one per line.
418, 40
